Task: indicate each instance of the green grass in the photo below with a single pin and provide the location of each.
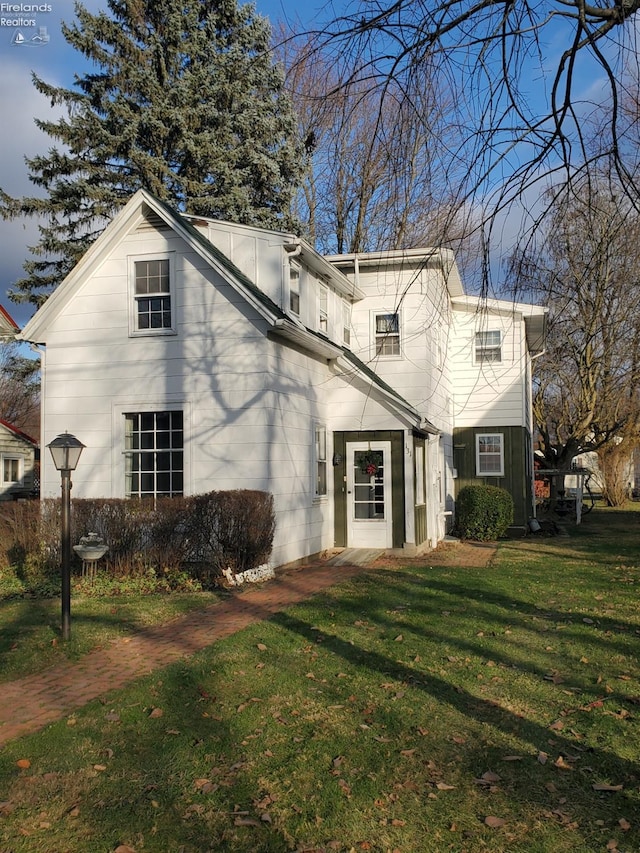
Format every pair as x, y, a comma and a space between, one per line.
396, 712
30, 629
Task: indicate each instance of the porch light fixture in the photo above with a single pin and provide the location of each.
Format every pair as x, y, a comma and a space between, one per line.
65, 451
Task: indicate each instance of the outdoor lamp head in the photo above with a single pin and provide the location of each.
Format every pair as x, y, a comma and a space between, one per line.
66, 450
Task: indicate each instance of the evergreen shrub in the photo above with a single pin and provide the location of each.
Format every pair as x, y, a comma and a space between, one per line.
483, 513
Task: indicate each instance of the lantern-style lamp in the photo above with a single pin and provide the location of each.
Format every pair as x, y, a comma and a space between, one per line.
65, 451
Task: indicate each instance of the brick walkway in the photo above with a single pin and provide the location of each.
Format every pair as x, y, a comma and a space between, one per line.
31, 703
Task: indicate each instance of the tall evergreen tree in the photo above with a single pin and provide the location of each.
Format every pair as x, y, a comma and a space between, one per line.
185, 101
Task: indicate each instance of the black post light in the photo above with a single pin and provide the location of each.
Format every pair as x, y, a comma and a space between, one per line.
66, 450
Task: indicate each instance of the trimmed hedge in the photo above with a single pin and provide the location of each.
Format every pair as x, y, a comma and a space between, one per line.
483, 513
199, 535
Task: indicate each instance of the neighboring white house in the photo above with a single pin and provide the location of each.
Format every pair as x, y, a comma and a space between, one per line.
191, 354
8, 326
17, 462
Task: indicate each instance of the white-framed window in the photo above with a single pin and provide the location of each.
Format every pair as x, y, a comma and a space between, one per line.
323, 309
419, 460
320, 460
11, 469
294, 288
488, 347
490, 454
346, 323
152, 304
387, 331
154, 454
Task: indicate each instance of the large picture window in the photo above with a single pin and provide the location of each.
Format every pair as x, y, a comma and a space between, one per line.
152, 311
490, 455
154, 454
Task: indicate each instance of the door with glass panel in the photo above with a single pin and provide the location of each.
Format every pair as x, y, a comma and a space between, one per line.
369, 520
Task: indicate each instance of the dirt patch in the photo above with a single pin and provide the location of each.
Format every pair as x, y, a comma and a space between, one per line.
472, 554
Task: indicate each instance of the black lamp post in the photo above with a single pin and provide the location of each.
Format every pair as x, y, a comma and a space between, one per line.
66, 450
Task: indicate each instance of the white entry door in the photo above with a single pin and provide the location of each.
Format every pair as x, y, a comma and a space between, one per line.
369, 521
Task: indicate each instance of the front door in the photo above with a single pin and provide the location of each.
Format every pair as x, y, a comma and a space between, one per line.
369, 520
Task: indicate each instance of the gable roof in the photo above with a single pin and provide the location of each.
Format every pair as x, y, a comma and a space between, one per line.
18, 433
138, 206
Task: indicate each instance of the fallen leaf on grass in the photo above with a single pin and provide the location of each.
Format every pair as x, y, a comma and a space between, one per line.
542, 758
488, 778
6, 808
23, 763
398, 639
442, 786
245, 821
612, 845
156, 713
561, 764
513, 758
99, 767
407, 753
397, 822
601, 786
124, 848
494, 822
624, 824
261, 647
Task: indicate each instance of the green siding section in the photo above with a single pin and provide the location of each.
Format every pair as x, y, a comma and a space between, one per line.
517, 466
340, 439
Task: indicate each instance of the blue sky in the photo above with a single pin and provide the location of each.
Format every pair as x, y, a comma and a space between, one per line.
51, 58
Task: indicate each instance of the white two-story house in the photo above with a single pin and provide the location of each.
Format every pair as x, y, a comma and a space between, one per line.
190, 354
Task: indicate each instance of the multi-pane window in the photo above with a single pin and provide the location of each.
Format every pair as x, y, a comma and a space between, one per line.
152, 295
323, 309
10, 469
387, 334
294, 288
154, 454
321, 459
490, 455
488, 347
346, 323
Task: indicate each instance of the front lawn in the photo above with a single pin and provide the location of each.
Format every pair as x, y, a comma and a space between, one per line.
418, 709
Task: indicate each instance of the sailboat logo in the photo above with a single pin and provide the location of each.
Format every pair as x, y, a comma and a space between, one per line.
41, 37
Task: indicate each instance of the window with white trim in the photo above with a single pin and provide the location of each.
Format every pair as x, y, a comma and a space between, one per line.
294, 288
323, 309
490, 454
419, 459
151, 286
154, 454
11, 469
387, 330
346, 323
488, 347
320, 454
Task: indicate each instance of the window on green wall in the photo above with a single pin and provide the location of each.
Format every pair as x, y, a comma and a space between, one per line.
490, 454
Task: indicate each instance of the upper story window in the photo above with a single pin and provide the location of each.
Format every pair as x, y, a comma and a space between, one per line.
323, 309
490, 454
387, 334
152, 285
346, 323
294, 288
488, 347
